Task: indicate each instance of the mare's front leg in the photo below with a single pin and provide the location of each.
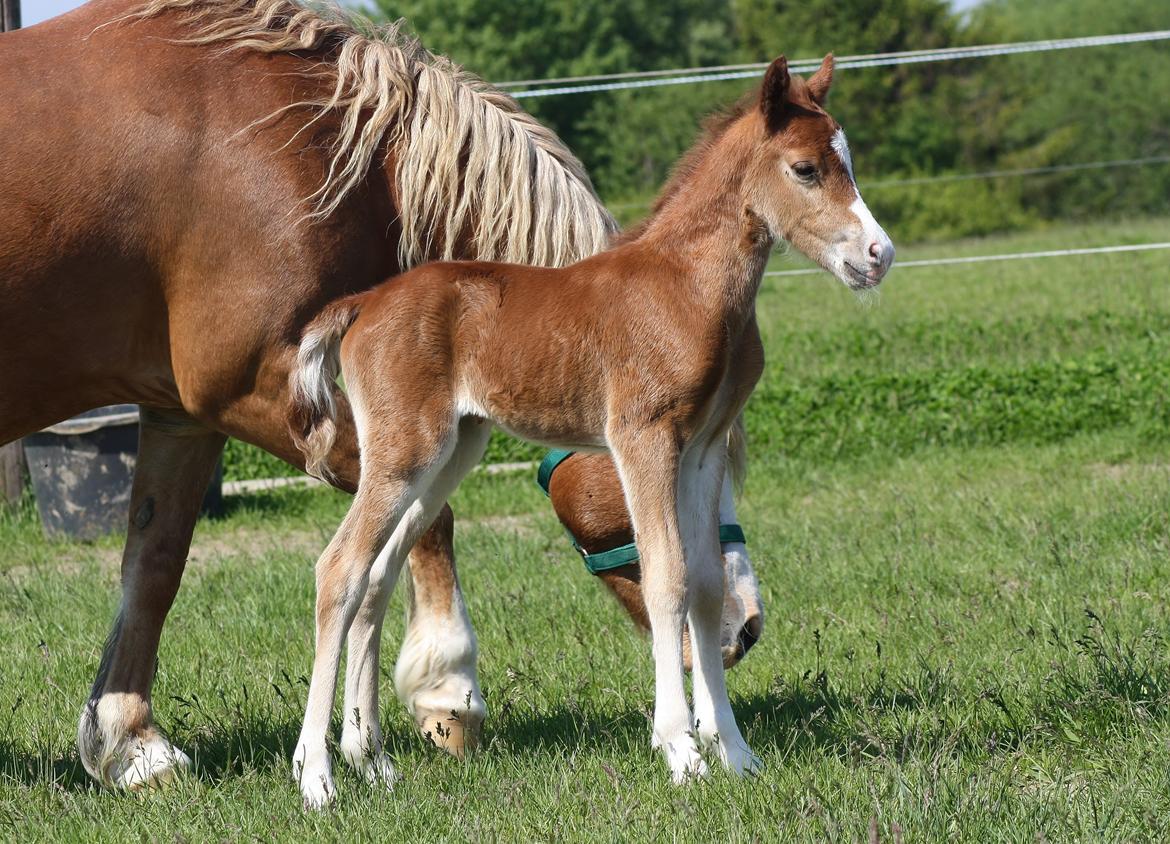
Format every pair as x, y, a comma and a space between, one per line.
443, 673
699, 509
117, 738
435, 675
648, 462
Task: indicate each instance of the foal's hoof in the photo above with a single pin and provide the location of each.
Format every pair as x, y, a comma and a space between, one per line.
317, 792
314, 775
455, 732
683, 758
741, 761
376, 769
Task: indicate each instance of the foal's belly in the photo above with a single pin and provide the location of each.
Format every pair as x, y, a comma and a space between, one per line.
544, 420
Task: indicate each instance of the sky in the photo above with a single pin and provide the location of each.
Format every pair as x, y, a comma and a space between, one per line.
35, 11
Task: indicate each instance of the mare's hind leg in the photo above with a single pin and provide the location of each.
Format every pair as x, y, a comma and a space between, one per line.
699, 493
440, 661
117, 739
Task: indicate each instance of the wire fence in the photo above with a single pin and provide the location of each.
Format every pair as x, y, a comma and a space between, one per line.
570, 85
1009, 256
692, 76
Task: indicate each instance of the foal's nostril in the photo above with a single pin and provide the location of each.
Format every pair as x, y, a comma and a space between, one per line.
875, 251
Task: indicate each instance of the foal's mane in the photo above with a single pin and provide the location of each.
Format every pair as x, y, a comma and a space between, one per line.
469, 160
714, 127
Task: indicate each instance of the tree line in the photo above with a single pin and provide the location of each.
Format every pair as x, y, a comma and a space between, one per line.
907, 122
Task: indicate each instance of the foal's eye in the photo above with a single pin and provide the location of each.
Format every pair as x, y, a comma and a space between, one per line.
804, 170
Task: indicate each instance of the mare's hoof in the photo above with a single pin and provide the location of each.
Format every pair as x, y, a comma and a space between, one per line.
149, 763
456, 732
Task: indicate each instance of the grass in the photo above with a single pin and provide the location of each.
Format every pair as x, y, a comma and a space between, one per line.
966, 621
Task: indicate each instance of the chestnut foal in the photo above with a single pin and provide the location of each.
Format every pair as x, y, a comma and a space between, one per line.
649, 350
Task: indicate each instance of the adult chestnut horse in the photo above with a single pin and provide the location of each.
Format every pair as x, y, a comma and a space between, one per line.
184, 185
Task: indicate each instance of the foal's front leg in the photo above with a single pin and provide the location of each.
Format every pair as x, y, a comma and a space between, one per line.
648, 463
699, 493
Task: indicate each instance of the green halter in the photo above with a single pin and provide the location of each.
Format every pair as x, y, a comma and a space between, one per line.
623, 554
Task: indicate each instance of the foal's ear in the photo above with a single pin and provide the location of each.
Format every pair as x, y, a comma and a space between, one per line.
820, 82
774, 94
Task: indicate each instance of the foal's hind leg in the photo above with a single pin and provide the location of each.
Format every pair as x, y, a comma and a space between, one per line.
439, 652
117, 739
435, 677
343, 575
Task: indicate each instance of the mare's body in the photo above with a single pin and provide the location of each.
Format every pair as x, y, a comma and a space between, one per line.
159, 246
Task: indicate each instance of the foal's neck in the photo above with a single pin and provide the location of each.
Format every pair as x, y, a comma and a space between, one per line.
706, 231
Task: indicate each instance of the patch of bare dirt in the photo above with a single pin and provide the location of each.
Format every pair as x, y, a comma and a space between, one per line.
1121, 471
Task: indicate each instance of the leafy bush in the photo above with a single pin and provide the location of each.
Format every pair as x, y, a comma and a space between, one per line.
242, 462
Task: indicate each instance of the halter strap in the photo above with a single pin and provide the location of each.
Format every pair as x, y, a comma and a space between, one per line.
623, 555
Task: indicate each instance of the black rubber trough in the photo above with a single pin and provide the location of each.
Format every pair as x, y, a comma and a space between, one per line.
82, 470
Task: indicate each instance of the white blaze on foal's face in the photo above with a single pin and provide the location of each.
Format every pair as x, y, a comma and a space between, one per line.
869, 268
804, 189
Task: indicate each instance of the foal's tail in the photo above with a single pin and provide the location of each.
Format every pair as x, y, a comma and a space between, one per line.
313, 381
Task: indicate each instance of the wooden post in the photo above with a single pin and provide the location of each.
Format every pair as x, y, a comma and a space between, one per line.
9, 15
11, 455
11, 472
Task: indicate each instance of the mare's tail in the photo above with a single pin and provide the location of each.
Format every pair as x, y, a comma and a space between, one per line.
313, 381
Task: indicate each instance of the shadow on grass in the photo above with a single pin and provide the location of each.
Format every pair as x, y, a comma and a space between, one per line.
1103, 681
218, 755
924, 714
63, 772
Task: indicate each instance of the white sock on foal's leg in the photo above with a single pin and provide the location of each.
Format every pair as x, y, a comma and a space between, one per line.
699, 515
361, 735
652, 494
714, 719
343, 576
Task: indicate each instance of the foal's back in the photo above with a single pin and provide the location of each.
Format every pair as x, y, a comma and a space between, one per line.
539, 351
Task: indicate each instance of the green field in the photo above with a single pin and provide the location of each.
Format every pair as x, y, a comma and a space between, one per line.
957, 504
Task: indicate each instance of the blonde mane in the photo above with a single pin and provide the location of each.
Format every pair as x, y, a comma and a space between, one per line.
473, 169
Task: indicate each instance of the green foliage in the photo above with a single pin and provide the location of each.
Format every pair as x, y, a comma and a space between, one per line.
949, 210
889, 113
849, 416
242, 462
539, 39
1040, 110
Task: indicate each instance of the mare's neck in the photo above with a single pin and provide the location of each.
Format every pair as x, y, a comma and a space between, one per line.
706, 232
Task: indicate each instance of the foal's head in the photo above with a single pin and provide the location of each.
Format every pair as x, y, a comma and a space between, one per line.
798, 177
